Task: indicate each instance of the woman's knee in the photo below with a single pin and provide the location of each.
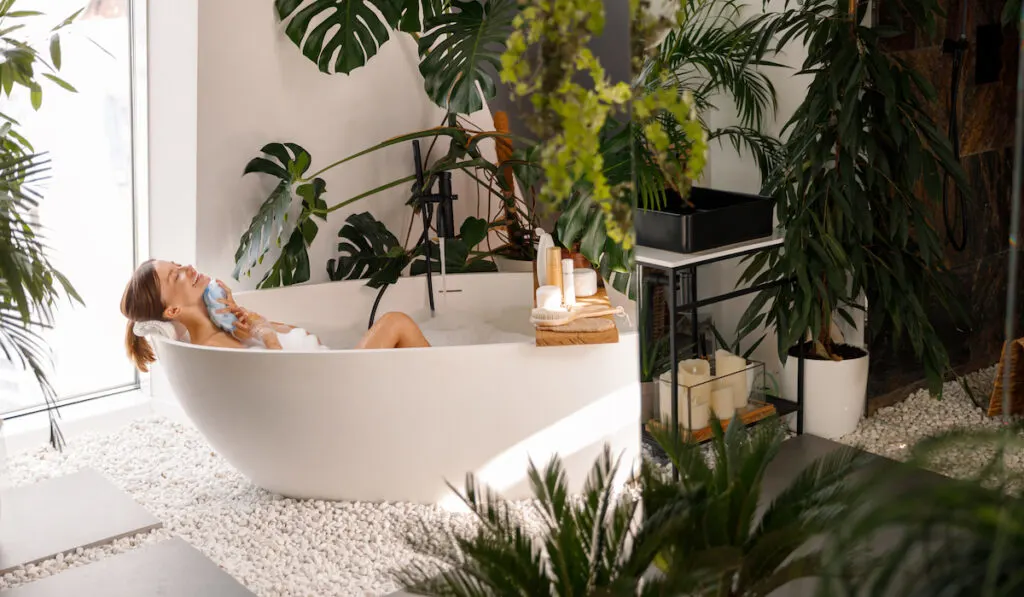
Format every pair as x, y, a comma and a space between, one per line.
395, 318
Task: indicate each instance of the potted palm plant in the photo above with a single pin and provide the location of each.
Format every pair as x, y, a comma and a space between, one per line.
863, 162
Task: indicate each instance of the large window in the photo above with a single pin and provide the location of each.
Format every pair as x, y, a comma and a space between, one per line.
88, 210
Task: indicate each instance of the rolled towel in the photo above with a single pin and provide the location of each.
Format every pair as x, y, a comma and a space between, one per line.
164, 329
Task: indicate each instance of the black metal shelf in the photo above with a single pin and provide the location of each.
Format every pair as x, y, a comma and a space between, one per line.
782, 406
667, 264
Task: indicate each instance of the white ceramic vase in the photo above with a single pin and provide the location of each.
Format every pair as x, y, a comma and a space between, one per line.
834, 393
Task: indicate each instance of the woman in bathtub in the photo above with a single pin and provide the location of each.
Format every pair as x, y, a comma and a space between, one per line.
167, 291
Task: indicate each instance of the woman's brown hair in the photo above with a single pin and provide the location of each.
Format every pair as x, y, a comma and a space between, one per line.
141, 302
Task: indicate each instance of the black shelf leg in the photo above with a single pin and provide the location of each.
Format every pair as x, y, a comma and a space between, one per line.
693, 312
800, 389
674, 360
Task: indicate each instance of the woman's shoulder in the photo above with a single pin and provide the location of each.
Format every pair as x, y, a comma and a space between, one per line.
223, 340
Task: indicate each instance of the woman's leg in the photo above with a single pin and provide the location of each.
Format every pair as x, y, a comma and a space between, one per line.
394, 330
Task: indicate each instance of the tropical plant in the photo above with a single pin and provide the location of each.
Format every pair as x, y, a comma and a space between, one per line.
30, 286
275, 227
458, 40
722, 545
952, 537
711, 52
863, 161
594, 544
700, 536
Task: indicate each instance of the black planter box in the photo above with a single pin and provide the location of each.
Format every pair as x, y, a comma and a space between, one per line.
718, 218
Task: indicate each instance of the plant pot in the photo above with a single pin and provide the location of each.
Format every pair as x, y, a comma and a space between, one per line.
834, 391
717, 218
648, 401
506, 264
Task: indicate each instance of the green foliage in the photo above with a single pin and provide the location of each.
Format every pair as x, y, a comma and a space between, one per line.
860, 145
460, 39
586, 546
457, 48
722, 545
459, 257
704, 535
710, 52
358, 28
368, 250
956, 538
569, 117
30, 286
288, 163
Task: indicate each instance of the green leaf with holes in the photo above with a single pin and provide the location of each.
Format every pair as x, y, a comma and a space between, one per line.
368, 250
461, 48
286, 162
343, 35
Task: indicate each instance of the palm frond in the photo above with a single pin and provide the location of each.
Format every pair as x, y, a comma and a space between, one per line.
29, 284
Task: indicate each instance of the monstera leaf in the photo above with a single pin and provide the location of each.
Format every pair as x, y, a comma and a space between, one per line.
368, 250
582, 221
358, 28
458, 46
458, 258
292, 267
287, 162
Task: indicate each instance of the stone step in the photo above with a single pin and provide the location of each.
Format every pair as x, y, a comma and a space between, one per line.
59, 515
170, 568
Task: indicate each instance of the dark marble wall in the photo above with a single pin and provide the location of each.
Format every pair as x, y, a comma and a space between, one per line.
986, 139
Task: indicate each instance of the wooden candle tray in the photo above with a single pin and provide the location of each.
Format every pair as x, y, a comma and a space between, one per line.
752, 413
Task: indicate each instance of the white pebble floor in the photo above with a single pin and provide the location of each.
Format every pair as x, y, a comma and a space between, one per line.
892, 431
279, 547
274, 546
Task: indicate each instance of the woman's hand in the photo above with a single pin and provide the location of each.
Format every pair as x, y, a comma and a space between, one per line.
229, 298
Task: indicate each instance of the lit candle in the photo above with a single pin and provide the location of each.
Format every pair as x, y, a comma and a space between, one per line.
721, 403
731, 372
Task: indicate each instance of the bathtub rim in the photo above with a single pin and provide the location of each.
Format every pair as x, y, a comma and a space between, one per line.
530, 342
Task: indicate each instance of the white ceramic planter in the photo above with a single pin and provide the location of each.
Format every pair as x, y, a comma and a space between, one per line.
506, 265
834, 394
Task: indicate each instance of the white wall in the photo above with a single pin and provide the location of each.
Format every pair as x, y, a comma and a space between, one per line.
255, 87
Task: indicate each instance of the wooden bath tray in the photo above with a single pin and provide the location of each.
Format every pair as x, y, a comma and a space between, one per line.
582, 331
752, 413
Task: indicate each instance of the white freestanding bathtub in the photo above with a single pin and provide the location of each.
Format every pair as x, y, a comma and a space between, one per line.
395, 425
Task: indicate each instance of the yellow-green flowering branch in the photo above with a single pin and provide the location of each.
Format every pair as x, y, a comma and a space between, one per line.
544, 54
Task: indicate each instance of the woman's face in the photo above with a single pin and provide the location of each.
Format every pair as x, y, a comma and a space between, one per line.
181, 286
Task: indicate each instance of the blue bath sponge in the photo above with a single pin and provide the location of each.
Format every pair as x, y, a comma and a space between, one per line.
212, 296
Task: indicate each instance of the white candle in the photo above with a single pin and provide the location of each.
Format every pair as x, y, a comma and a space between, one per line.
584, 282
693, 414
696, 375
721, 403
549, 297
731, 371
